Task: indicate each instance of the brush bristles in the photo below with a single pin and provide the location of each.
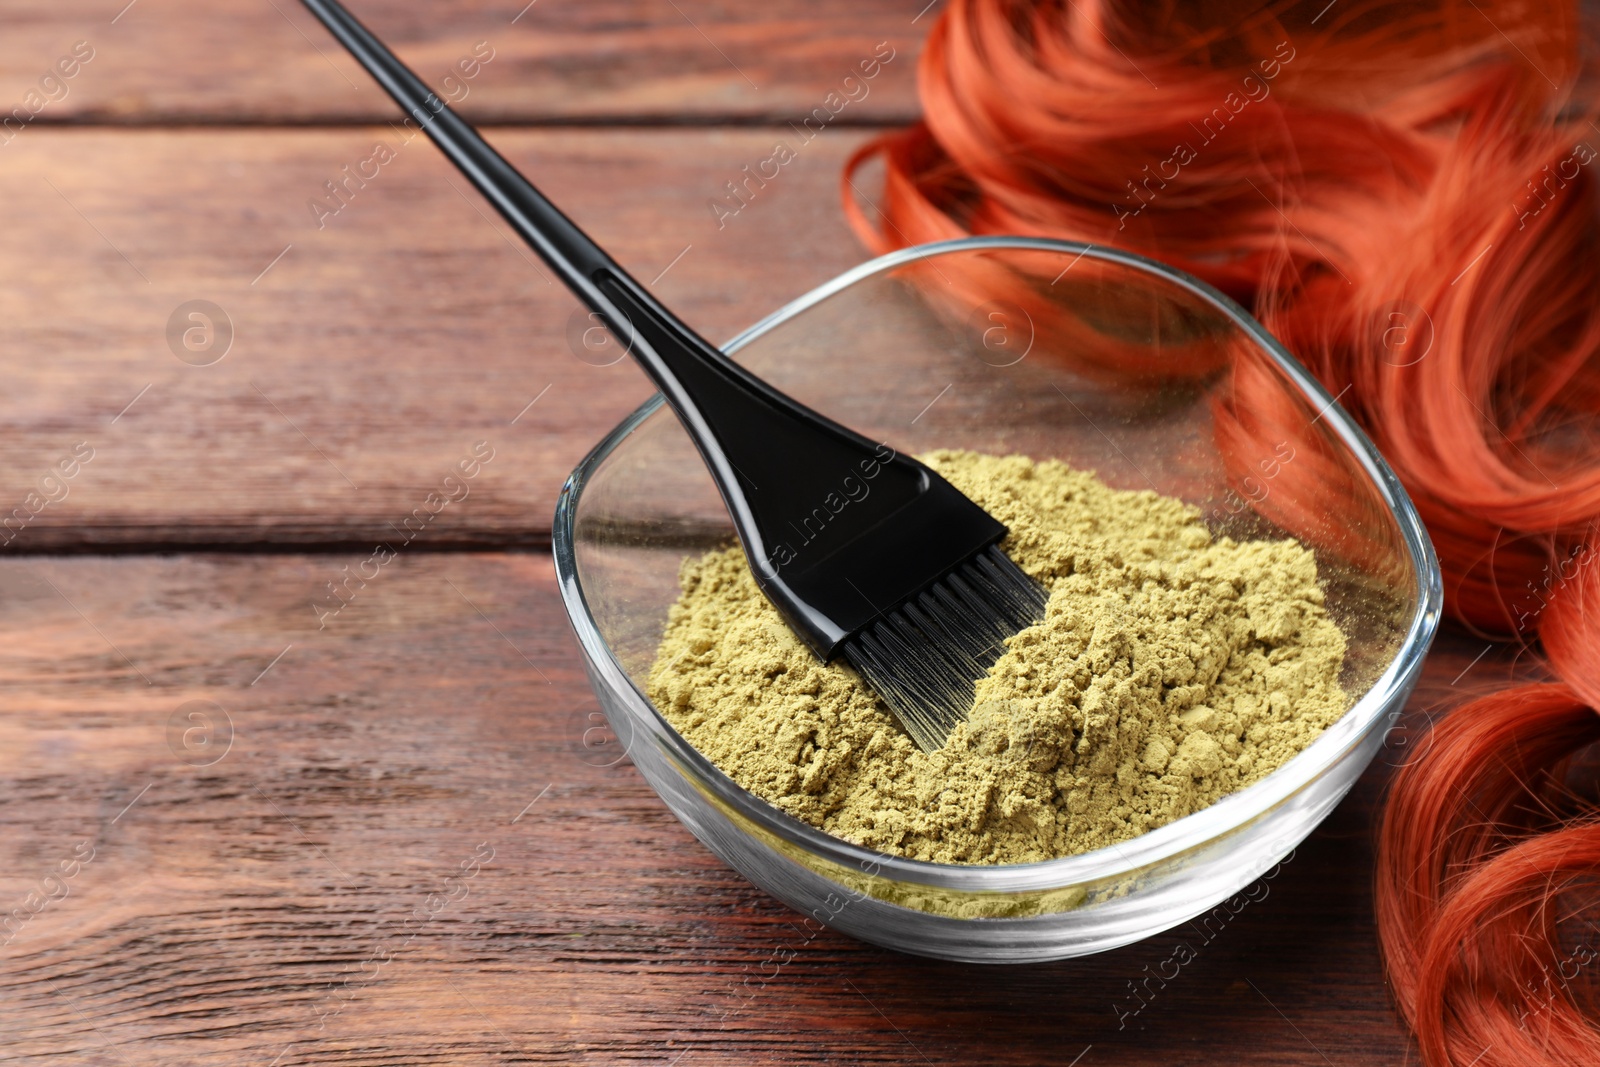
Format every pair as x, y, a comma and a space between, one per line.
924, 657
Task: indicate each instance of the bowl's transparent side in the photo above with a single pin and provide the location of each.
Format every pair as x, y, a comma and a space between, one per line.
1051, 354
1203, 887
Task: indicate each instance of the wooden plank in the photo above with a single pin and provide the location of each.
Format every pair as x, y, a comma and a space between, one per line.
183, 61
371, 348
229, 908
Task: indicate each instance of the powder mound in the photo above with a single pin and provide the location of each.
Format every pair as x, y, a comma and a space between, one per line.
1170, 670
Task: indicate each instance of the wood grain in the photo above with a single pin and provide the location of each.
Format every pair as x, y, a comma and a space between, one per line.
369, 352
269, 61
228, 909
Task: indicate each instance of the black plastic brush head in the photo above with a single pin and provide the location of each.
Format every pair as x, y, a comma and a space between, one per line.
924, 657
867, 553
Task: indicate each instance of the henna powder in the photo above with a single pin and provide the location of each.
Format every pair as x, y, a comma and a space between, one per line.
1171, 669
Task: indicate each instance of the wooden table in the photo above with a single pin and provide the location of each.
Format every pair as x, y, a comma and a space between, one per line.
224, 811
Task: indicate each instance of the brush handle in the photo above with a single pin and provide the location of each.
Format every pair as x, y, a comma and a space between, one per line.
722, 406
693, 374
571, 253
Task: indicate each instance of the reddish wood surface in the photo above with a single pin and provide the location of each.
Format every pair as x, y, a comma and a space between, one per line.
378, 348
268, 61
224, 911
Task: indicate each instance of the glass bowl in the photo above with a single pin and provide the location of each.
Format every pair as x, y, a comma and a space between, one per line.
1110, 362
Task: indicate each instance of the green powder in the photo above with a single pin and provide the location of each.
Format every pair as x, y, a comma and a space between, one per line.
1171, 669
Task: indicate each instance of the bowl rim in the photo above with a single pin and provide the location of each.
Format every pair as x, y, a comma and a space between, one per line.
1190, 832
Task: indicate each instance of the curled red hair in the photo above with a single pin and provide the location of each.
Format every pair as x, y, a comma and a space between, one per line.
1422, 166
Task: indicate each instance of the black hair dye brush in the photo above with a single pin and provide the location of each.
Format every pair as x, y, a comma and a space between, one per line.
906, 583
